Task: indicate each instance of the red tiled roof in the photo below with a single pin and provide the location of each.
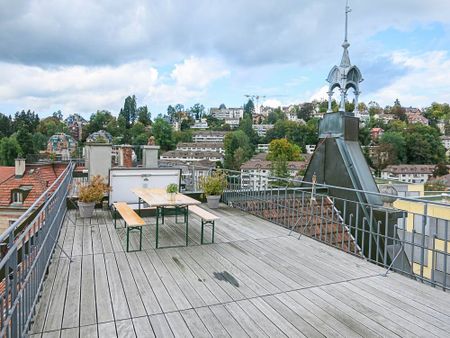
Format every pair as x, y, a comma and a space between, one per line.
6, 172
38, 177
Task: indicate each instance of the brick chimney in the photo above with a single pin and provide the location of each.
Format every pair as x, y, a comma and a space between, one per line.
20, 167
126, 156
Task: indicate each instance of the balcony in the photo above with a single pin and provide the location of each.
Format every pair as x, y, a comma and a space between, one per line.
283, 264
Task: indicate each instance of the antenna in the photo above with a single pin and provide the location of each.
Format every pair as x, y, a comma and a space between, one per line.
347, 10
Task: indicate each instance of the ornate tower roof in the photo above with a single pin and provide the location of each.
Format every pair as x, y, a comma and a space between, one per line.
344, 76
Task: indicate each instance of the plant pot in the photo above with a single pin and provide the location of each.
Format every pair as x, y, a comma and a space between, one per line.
212, 201
86, 209
172, 196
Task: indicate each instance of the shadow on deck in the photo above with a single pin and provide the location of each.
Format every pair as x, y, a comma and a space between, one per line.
254, 281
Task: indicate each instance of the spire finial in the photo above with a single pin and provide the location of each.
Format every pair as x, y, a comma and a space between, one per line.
347, 10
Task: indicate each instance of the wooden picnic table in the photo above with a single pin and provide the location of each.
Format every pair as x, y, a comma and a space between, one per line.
160, 200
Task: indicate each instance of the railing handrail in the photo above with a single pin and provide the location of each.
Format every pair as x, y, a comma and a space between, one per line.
321, 185
39, 200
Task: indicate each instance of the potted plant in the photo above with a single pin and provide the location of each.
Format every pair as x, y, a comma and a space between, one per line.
213, 187
91, 194
172, 190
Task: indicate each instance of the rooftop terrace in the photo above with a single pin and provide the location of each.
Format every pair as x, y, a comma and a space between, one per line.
256, 280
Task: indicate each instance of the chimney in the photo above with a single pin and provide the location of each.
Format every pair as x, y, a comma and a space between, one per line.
126, 156
150, 156
20, 167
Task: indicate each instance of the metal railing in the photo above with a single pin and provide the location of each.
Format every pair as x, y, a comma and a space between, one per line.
26, 253
407, 235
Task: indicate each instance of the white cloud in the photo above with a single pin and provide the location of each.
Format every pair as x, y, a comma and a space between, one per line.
320, 94
426, 79
272, 103
88, 88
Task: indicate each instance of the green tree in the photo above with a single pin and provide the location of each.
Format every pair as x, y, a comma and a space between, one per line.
398, 143
51, 125
27, 120
249, 109
246, 125
237, 149
197, 111
6, 125
9, 150
276, 115
306, 111
25, 140
39, 142
144, 116
162, 131
283, 148
101, 120
129, 111
398, 111
440, 170
182, 136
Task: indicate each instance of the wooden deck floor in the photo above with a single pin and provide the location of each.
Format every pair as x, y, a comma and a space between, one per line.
255, 281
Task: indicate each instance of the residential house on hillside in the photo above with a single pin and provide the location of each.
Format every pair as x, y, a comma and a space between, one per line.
21, 186
208, 136
191, 156
375, 133
75, 123
262, 129
61, 145
410, 173
201, 146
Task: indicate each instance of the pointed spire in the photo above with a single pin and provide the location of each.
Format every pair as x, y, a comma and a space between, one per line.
345, 62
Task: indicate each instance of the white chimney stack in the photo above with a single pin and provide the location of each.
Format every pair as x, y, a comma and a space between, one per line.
20, 167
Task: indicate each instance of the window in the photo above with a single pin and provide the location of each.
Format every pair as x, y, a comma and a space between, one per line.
17, 197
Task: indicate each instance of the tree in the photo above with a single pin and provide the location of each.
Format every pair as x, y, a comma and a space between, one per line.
249, 108
398, 111
39, 142
237, 149
283, 148
9, 150
306, 111
144, 116
398, 143
276, 115
246, 125
58, 115
162, 131
25, 140
435, 185
129, 111
51, 125
440, 170
197, 111
6, 124
27, 120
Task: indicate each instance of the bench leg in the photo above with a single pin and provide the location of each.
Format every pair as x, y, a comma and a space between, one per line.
157, 226
130, 229
204, 224
186, 219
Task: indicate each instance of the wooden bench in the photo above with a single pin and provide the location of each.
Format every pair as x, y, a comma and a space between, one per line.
131, 219
207, 219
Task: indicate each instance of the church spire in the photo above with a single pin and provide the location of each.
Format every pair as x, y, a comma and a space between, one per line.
345, 62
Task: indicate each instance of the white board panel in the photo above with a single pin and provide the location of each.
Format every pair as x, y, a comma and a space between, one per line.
123, 181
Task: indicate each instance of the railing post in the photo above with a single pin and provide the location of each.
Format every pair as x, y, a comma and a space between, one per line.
422, 252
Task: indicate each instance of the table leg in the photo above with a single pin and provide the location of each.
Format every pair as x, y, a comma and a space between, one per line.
186, 217
139, 202
157, 226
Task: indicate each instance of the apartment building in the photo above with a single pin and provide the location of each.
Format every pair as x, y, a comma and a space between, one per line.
262, 129
191, 156
209, 136
410, 173
201, 146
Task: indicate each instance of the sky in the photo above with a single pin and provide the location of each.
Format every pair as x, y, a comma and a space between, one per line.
80, 56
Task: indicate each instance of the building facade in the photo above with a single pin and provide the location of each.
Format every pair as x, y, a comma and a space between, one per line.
209, 136
409, 173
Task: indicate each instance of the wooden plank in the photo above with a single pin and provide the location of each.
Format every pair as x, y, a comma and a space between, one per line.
88, 312
89, 331
119, 302
202, 213
309, 317
159, 197
77, 249
106, 240
102, 295
115, 241
177, 325
211, 322
160, 326
179, 298
97, 247
213, 269
164, 299
51, 334
197, 294
131, 218
287, 328
203, 276
260, 319
244, 320
70, 333
142, 327
228, 322
302, 325
355, 321
195, 324
129, 285
107, 330
87, 239
42, 305
58, 297
145, 289
68, 240
71, 316
415, 325
125, 329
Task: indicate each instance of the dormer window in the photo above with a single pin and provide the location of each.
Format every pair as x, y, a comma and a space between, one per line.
17, 197
20, 194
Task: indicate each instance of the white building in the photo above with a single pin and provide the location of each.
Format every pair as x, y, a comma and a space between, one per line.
446, 142
227, 113
209, 136
201, 146
410, 173
261, 129
200, 124
191, 156
256, 174
263, 148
